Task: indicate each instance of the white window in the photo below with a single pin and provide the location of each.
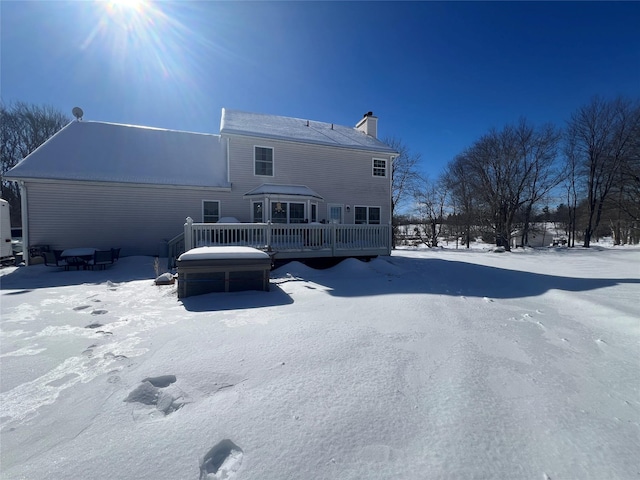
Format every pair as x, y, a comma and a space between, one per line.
379, 167
210, 211
287, 212
263, 161
314, 212
258, 209
367, 215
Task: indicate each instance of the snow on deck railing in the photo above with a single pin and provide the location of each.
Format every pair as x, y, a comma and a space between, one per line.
339, 239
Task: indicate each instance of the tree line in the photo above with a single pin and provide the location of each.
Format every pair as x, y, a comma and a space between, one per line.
504, 180
23, 128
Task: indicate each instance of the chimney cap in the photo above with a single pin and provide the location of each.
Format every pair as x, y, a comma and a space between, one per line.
368, 114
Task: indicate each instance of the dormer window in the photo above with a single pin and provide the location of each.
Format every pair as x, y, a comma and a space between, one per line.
263, 161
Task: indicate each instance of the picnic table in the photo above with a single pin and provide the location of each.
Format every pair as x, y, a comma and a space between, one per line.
78, 257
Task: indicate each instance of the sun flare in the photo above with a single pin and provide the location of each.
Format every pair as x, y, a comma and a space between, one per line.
137, 5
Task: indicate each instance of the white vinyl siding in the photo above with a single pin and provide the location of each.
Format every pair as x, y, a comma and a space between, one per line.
379, 167
138, 219
263, 161
367, 215
210, 211
341, 176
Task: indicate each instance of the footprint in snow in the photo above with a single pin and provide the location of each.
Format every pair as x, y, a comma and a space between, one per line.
149, 393
94, 325
222, 461
81, 307
89, 351
601, 342
162, 381
99, 312
110, 355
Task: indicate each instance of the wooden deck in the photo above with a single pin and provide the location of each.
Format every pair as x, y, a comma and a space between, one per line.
287, 241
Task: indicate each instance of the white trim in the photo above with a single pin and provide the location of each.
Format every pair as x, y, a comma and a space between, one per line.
24, 205
202, 209
273, 161
119, 184
229, 160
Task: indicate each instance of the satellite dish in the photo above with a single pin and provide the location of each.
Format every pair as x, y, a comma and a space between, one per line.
77, 112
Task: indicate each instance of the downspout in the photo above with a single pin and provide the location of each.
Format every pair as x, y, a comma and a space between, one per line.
228, 163
25, 223
390, 239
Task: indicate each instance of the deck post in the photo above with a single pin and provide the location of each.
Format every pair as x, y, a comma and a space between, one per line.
268, 236
333, 239
188, 234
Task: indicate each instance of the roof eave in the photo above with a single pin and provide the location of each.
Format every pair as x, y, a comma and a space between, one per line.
221, 188
244, 133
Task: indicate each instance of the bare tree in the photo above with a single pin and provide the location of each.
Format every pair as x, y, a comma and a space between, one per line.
571, 187
626, 221
404, 178
430, 200
601, 138
23, 128
505, 171
463, 205
539, 151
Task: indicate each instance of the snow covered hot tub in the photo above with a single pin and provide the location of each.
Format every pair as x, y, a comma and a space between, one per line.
222, 269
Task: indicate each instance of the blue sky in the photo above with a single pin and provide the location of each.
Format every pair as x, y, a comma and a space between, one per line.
437, 74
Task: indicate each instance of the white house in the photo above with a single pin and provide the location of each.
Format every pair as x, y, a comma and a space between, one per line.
109, 185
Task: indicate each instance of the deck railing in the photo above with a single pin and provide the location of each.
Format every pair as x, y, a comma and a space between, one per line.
289, 240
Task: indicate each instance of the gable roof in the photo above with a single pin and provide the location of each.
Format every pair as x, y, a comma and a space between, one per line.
299, 130
109, 152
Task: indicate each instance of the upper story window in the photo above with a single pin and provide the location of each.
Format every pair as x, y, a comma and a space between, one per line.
263, 161
210, 211
379, 167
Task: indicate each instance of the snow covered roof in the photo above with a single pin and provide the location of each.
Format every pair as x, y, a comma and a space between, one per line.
108, 152
273, 189
297, 129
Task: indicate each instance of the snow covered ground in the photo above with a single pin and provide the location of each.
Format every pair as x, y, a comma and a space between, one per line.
426, 364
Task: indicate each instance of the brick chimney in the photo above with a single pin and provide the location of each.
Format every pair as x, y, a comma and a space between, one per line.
369, 125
